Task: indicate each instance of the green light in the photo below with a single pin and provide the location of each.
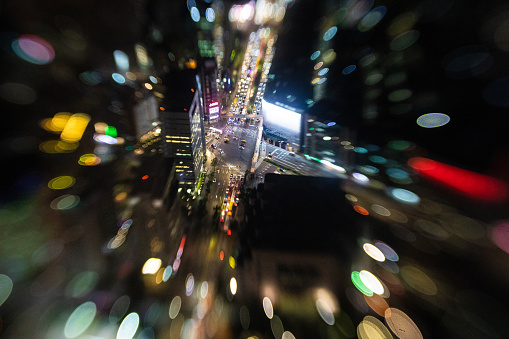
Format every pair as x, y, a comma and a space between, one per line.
110, 131
312, 129
399, 145
356, 279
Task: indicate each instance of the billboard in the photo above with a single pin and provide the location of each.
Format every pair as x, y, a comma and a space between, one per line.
282, 123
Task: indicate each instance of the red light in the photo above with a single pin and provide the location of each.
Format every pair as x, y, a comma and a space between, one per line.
161, 108
361, 210
229, 232
182, 243
145, 177
185, 109
213, 104
473, 184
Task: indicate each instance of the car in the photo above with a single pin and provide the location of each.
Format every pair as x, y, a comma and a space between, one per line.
291, 153
281, 169
241, 147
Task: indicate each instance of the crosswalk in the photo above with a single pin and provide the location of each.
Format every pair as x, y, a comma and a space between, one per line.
246, 131
281, 157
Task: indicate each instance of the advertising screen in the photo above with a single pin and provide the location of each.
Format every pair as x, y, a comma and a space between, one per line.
282, 122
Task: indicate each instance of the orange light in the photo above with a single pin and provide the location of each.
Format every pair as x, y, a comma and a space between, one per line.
229, 232
161, 108
145, 177
221, 255
191, 64
360, 210
192, 90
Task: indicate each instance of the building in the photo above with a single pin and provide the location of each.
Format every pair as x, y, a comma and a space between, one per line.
211, 102
182, 129
294, 249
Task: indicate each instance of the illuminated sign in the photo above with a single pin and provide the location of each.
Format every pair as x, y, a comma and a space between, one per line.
213, 104
214, 110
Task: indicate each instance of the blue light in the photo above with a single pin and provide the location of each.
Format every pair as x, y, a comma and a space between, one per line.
309, 101
119, 78
195, 14
397, 173
322, 80
331, 32
368, 169
404, 196
210, 15
122, 60
332, 123
323, 71
360, 150
377, 159
348, 69
315, 55
372, 18
372, 148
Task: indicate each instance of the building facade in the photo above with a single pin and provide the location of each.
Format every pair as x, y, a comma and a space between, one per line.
183, 137
211, 102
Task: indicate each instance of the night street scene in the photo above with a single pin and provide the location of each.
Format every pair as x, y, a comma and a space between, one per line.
254, 169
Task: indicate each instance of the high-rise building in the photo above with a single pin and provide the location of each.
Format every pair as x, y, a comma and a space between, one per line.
211, 102
183, 134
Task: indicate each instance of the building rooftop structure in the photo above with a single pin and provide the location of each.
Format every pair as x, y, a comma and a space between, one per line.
301, 213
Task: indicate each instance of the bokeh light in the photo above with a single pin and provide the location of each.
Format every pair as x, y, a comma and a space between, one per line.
401, 324
371, 282
403, 195
267, 307
6, 286
75, 127
65, 202
151, 266
61, 182
233, 285
80, 319
129, 326
387, 251
331, 32
359, 284
432, 120
418, 280
175, 305
371, 328
325, 311
33, 49
373, 252
500, 236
